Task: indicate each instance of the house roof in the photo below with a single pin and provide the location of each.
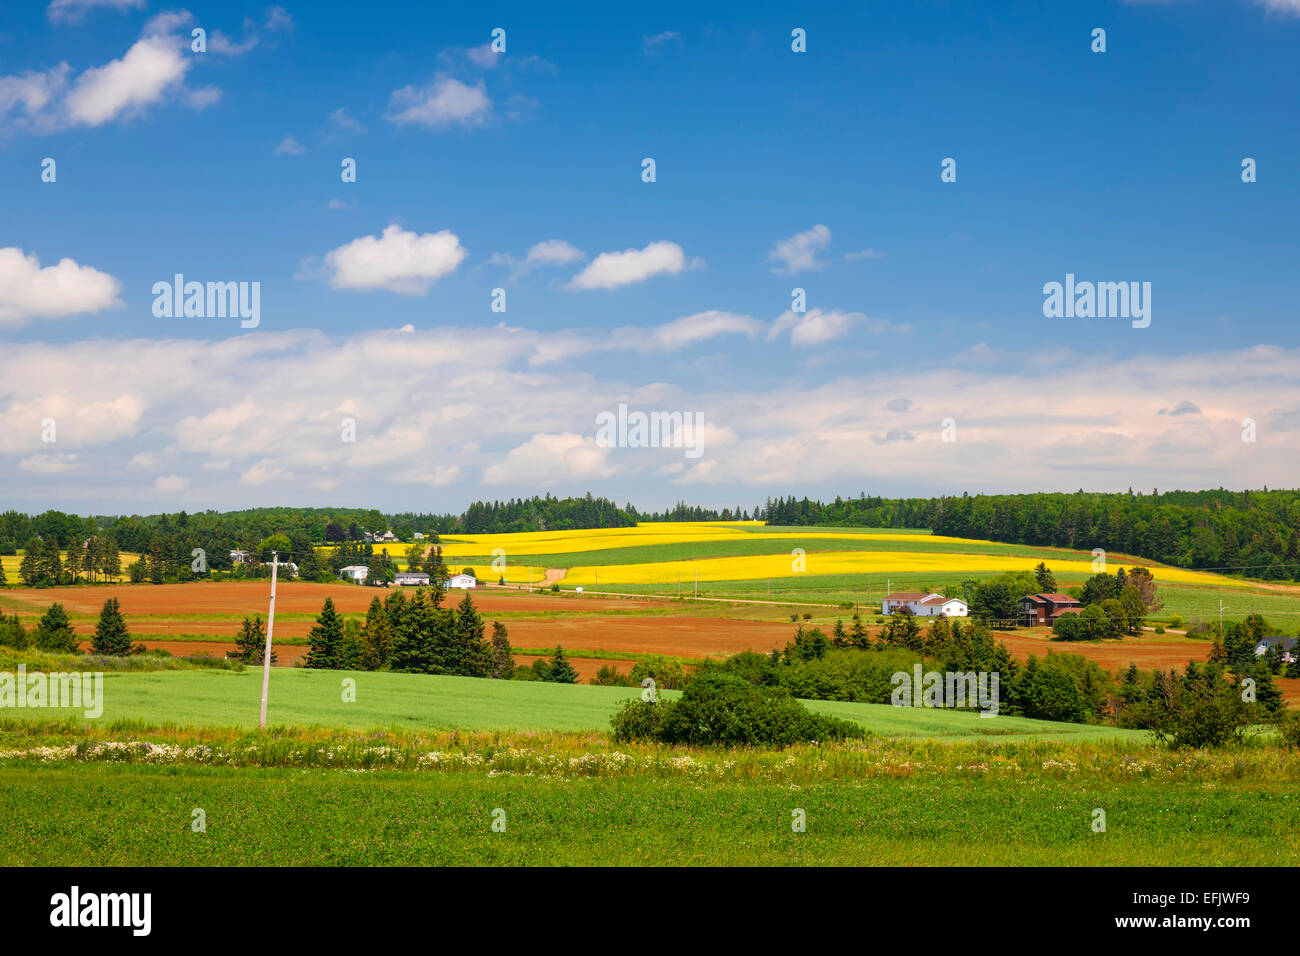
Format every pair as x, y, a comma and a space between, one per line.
1050, 598
939, 599
1286, 642
906, 596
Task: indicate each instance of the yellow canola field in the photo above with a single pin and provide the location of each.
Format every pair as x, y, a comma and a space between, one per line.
600, 539
877, 563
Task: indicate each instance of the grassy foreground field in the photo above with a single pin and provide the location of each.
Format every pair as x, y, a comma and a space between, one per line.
301, 697
77, 796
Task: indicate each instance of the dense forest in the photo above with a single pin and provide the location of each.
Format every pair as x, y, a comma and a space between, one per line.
1256, 533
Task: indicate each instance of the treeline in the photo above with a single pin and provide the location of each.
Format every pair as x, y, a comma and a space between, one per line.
414, 635
1257, 532
1208, 704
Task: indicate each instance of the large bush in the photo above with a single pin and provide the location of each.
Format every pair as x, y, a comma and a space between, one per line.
726, 710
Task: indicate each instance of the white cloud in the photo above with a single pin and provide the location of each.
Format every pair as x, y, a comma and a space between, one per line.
482, 56
48, 464
170, 484
154, 65
549, 252
813, 327
277, 22
290, 146
203, 97
232, 415
685, 331
399, 261
28, 291
609, 270
345, 121
551, 459
1282, 6
653, 43
74, 11
444, 101
799, 252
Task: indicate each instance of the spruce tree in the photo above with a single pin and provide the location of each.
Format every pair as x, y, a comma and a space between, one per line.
111, 636
561, 671
503, 661
29, 570
472, 657
4, 582
54, 632
376, 638
414, 635
251, 642
325, 638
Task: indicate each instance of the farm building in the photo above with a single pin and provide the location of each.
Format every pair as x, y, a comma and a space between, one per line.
412, 578
238, 556
462, 581
355, 573
1044, 609
922, 604
1288, 645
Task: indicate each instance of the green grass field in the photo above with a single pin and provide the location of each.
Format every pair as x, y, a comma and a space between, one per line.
302, 697
106, 815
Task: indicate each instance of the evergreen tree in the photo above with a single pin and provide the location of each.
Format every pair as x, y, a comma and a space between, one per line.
110, 560
414, 635
4, 581
111, 636
503, 661
251, 642
29, 570
561, 671
376, 638
858, 633
470, 655
54, 632
1046, 580
50, 562
325, 638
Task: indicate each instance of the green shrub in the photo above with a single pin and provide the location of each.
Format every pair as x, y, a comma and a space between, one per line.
729, 711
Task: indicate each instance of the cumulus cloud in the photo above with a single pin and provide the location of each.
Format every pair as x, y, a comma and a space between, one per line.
290, 146
551, 459
398, 260
685, 331
48, 464
549, 252
652, 43
463, 408
814, 327
28, 291
609, 270
170, 484
155, 64
799, 252
443, 101
74, 11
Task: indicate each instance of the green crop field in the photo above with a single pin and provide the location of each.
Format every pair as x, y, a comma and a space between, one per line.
576, 801
302, 697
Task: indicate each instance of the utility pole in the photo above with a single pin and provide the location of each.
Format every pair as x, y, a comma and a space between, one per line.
270, 629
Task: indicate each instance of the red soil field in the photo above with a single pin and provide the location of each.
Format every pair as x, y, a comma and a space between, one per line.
253, 597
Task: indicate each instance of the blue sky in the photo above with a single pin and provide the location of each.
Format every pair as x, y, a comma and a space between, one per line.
924, 298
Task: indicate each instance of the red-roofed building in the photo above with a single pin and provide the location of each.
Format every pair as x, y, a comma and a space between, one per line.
1043, 609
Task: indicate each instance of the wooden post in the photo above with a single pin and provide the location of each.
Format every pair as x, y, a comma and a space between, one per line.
270, 629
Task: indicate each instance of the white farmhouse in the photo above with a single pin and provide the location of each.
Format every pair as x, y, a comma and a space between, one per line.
355, 573
462, 581
923, 605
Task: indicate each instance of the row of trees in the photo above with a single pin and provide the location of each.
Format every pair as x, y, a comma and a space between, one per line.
1257, 531
54, 633
44, 565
